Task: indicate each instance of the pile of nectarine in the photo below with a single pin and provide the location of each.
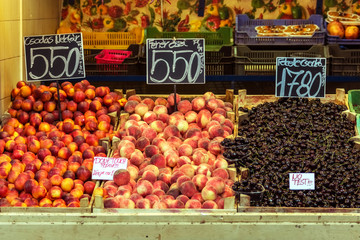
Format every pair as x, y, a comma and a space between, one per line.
46, 162
174, 157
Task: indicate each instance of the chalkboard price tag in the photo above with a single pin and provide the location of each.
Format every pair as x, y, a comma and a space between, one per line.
175, 61
54, 57
300, 77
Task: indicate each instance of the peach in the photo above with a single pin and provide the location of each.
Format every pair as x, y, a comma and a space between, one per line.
171, 130
220, 172
188, 188
184, 106
177, 203
192, 203
217, 183
38, 191
25, 91
160, 205
108, 100
67, 184
158, 160
171, 159
175, 176
127, 203
111, 202
143, 203
59, 203
171, 99
92, 140
135, 197
123, 191
212, 104
149, 102
183, 198
134, 131
161, 185
215, 147
200, 157
204, 143
130, 106
151, 150
69, 174
188, 170
90, 93
166, 178
141, 109
134, 172
158, 126
83, 173
149, 175
121, 177
181, 180
194, 133
173, 191
160, 101
89, 187
135, 117
144, 188
185, 150
55, 192
198, 104
200, 181
79, 96
76, 192
208, 193
135, 98
209, 204
149, 117
205, 169
153, 199
111, 190
203, 118
228, 192
23, 117
50, 106
160, 109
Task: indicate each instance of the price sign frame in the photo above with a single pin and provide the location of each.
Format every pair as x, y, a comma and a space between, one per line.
54, 52
296, 74
176, 51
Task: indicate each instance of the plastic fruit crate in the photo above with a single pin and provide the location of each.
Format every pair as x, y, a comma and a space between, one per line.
110, 40
112, 56
255, 62
354, 100
332, 39
245, 32
213, 40
345, 61
126, 66
216, 62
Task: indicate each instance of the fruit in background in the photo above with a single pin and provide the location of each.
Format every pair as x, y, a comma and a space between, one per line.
352, 32
335, 28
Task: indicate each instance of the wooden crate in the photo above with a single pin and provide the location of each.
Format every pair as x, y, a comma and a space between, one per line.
249, 101
85, 207
229, 204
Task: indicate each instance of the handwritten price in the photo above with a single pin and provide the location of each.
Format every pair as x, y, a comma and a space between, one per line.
302, 88
176, 57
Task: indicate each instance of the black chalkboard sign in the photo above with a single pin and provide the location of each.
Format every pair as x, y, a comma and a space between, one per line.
300, 77
54, 57
180, 61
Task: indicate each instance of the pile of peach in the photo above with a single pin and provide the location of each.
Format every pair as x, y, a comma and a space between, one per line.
174, 158
46, 162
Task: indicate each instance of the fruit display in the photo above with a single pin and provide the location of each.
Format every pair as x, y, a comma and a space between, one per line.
174, 157
343, 25
47, 162
298, 136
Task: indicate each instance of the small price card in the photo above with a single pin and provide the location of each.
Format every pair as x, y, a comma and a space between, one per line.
302, 181
104, 167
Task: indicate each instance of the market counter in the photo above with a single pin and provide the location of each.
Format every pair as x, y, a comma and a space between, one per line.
180, 226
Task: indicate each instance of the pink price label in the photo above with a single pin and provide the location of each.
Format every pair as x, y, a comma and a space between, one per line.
302, 181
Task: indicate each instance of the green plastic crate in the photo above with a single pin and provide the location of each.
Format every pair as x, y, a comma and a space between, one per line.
354, 100
213, 40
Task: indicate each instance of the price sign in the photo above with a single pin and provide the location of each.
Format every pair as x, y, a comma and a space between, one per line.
302, 181
54, 57
180, 61
104, 167
300, 77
